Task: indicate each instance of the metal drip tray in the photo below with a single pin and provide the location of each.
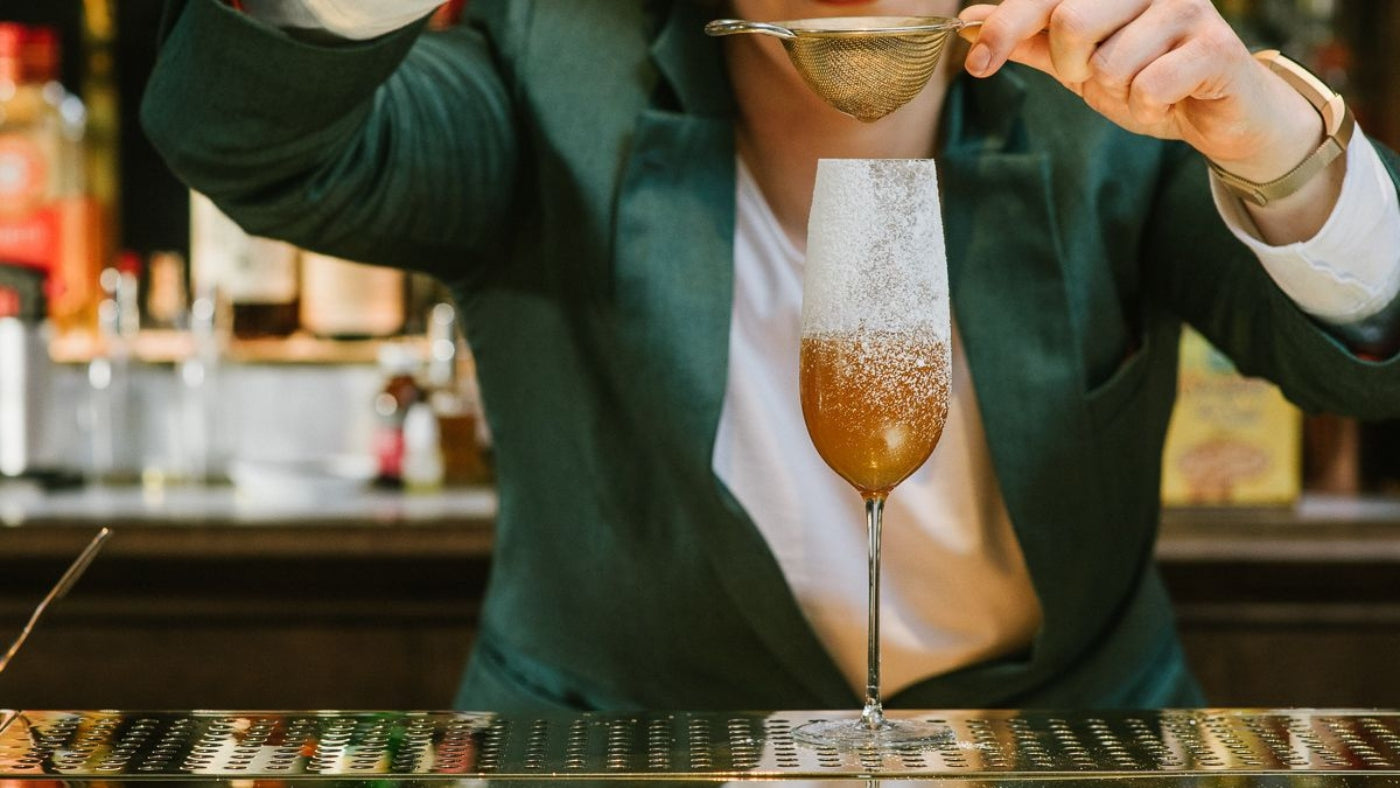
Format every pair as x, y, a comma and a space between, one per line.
209, 746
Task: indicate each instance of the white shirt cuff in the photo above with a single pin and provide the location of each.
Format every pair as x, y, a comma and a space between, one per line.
357, 20
1350, 270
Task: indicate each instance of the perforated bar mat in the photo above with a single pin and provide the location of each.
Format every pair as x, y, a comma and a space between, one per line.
701, 746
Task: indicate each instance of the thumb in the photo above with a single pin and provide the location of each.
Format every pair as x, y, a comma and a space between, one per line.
993, 44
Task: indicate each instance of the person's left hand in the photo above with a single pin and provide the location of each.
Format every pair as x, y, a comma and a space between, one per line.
1168, 68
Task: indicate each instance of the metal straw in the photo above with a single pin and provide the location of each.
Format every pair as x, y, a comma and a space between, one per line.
70, 577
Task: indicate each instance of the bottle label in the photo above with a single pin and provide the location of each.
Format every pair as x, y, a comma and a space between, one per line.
248, 269
24, 176
28, 228
31, 239
389, 452
341, 298
266, 273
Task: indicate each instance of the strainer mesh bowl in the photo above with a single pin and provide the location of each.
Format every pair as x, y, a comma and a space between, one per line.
867, 75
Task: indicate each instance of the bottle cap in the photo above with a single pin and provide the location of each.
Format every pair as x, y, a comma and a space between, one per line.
129, 262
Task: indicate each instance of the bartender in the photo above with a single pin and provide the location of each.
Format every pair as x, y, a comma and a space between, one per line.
620, 206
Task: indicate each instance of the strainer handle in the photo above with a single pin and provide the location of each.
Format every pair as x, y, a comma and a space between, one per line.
729, 27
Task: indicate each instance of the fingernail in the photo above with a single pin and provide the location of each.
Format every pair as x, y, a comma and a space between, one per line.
979, 59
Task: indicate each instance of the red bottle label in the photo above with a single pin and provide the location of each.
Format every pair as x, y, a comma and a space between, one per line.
389, 450
28, 228
24, 176
31, 240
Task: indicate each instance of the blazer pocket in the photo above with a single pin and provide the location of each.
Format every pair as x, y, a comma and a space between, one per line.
1108, 400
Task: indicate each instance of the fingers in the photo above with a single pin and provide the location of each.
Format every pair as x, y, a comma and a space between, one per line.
1187, 72
1056, 36
1005, 28
1074, 40
1078, 28
1168, 68
1119, 62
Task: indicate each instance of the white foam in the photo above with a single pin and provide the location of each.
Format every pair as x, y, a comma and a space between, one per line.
876, 258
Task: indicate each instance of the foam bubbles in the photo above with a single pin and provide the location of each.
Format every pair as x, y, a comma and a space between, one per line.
876, 258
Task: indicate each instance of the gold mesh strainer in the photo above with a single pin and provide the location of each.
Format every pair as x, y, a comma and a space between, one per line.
867, 66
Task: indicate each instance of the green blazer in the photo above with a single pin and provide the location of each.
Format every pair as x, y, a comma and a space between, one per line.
568, 168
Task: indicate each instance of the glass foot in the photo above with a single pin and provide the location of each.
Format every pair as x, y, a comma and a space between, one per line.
855, 734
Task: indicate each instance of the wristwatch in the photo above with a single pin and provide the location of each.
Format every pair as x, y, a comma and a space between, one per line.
1336, 118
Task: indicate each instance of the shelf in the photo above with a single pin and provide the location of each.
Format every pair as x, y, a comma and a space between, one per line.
169, 347
306, 349
1331, 529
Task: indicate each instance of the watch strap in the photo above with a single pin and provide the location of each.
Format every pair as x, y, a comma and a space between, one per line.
1338, 122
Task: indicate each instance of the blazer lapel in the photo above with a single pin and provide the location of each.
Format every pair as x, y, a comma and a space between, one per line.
674, 282
1011, 303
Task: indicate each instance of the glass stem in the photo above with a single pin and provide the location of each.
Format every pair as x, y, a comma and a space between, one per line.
873, 717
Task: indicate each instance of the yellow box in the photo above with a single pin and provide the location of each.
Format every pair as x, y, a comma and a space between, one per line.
1233, 440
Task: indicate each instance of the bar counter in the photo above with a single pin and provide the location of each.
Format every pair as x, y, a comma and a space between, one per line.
1226, 747
203, 600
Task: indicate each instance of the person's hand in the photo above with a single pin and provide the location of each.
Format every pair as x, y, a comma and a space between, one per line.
1167, 68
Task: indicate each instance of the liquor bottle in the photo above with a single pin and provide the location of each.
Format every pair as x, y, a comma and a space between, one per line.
256, 276
400, 366
102, 137
422, 294
111, 403
341, 299
44, 222
25, 394
77, 261
167, 297
450, 382
422, 469
126, 273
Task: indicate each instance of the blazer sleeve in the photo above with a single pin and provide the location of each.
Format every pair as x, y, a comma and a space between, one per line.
1216, 284
397, 151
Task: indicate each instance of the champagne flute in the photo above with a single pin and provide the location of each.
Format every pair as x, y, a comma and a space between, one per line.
875, 361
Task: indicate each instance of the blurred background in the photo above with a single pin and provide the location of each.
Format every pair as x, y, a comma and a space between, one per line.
295, 456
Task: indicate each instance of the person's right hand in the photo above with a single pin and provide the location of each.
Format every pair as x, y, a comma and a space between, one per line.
1172, 69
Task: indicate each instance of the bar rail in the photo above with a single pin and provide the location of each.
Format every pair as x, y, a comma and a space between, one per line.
236, 746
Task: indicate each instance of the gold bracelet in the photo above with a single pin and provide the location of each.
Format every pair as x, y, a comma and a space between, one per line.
1337, 120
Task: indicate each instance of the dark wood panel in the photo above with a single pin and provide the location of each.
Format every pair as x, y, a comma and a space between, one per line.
160, 628
1303, 613
1294, 633
1296, 665
246, 666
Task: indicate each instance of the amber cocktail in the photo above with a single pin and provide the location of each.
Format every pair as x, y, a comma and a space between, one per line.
876, 352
